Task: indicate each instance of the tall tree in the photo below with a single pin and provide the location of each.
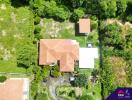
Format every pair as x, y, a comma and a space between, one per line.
107, 8
121, 7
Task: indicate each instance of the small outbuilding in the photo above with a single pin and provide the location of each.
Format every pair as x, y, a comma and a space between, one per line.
84, 26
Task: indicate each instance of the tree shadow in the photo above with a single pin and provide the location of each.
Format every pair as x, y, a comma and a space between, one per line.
19, 3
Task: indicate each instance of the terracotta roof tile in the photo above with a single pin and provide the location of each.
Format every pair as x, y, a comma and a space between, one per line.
11, 90
64, 50
84, 25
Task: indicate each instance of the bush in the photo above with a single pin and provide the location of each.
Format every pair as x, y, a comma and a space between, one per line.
80, 80
85, 97
26, 55
55, 72
129, 18
72, 93
36, 20
37, 29
2, 78
78, 13
45, 72
94, 25
41, 96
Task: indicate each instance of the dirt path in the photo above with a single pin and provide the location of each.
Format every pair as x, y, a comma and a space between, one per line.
52, 83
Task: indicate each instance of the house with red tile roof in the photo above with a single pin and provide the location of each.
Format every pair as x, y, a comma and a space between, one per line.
64, 51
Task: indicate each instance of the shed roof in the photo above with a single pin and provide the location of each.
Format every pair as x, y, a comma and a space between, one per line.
84, 25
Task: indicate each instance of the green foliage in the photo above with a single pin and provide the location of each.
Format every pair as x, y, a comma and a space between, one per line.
107, 8
34, 88
72, 93
2, 79
128, 38
95, 73
85, 97
112, 36
55, 71
107, 78
45, 72
94, 25
129, 73
26, 55
41, 96
78, 13
80, 80
93, 38
128, 14
121, 7
50, 8
129, 18
37, 29
37, 20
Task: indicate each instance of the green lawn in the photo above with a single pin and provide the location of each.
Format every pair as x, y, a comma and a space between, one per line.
63, 30
16, 26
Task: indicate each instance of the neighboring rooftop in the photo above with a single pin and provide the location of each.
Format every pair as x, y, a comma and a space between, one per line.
66, 51
87, 57
84, 26
14, 89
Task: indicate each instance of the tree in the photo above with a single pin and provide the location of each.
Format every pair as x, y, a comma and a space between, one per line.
107, 8
128, 13
112, 36
51, 9
78, 13
26, 55
80, 80
121, 7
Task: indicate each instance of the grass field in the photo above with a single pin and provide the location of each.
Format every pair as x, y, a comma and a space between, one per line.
16, 25
60, 30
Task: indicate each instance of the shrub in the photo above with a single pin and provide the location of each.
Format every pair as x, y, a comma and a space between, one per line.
129, 18
26, 55
2, 78
85, 97
72, 93
55, 71
37, 29
78, 13
80, 80
41, 96
94, 25
36, 20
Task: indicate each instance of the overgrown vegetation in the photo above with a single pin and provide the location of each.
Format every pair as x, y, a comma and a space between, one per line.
24, 22
116, 56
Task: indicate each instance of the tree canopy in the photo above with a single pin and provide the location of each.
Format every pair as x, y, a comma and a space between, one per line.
26, 55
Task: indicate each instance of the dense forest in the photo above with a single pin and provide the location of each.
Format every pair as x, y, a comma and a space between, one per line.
74, 9
114, 19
